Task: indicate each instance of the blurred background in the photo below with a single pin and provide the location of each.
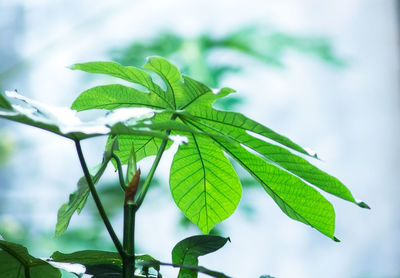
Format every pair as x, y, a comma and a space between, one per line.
326, 74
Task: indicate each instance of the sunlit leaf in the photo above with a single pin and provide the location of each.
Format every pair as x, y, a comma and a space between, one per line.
63, 121
203, 183
15, 262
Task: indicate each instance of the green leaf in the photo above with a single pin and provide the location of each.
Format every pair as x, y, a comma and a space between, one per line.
203, 183
130, 74
102, 262
64, 121
89, 257
104, 271
241, 122
187, 251
116, 96
295, 198
4, 103
77, 200
283, 158
15, 262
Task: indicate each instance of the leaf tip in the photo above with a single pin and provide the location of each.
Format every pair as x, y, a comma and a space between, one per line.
362, 204
335, 239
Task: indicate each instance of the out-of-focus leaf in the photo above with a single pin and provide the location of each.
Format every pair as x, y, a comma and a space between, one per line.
15, 262
187, 251
89, 257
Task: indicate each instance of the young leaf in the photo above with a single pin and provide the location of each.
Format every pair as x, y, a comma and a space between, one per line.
77, 200
203, 183
187, 251
15, 262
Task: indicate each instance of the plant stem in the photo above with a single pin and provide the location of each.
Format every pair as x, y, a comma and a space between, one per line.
128, 263
151, 172
97, 200
120, 173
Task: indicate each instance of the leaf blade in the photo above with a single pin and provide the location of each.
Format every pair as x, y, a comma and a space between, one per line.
198, 177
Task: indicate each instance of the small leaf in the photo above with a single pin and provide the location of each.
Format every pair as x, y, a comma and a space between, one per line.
187, 251
77, 200
203, 183
15, 261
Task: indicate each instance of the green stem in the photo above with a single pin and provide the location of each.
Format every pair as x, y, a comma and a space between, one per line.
152, 170
120, 173
97, 200
128, 263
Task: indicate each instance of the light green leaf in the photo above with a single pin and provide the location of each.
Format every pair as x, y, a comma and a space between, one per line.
77, 200
203, 183
116, 96
283, 158
130, 74
207, 190
15, 262
187, 251
295, 198
239, 121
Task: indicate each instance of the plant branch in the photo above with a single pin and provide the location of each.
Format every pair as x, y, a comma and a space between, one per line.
151, 172
97, 200
153, 167
120, 173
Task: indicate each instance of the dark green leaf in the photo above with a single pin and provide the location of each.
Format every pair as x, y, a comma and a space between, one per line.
187, 251
89, 257
15, 262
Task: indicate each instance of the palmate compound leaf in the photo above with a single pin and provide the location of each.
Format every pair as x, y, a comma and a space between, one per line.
15, 262
285, 176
